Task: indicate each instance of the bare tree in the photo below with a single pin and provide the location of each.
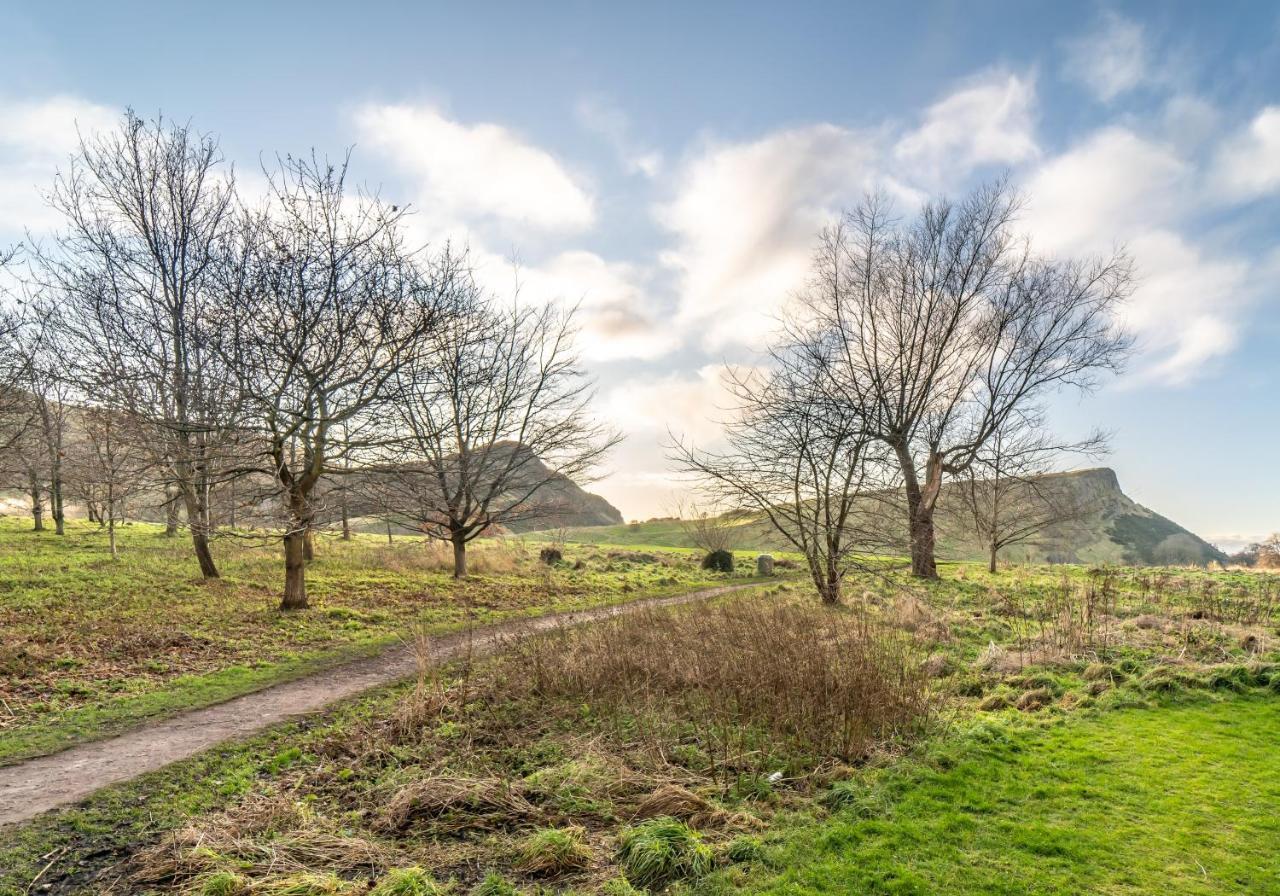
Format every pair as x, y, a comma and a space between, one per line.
108, 466
941, 329
494, 418
1008, 495
50, 396
709, 529
146, 209
328, 307
807, 465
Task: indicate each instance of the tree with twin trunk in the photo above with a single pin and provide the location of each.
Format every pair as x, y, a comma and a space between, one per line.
939, 330
492, 416
326, 307
132, 275
807, 465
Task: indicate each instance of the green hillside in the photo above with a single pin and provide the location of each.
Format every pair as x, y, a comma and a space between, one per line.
1115, 529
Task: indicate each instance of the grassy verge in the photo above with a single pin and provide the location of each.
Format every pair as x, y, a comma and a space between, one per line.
90, 646
1177, 799
690, 751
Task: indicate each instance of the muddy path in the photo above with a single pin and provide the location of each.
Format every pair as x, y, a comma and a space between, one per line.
49, 782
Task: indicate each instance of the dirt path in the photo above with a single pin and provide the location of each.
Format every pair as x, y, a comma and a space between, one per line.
38, 785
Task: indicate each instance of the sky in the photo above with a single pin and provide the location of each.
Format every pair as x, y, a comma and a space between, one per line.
669, 165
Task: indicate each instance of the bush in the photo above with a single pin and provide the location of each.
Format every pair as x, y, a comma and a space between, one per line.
826, 683
551, 556
719, 561
553, 851
658, 852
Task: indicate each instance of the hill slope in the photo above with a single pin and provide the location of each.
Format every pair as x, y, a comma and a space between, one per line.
1116, 529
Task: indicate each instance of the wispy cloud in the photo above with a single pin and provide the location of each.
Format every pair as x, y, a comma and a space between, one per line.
745, 217
607, 120
1110, 59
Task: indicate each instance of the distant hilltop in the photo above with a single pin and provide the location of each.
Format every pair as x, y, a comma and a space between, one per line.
1112, 529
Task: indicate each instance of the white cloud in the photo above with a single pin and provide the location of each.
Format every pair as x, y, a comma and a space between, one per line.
746, 217
988, 121
692, 405
605, 119
1117, 188
474, 172
1111, 59
1187, 307
36, 137
618, 317
1248, 164
1110, 185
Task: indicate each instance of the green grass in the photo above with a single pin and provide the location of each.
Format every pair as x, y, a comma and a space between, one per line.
1181, 799
90, 646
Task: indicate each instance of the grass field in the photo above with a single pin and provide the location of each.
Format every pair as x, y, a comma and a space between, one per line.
89, 645
1175, 799
1088, 730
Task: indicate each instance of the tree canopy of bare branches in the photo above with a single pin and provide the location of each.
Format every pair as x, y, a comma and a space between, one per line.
938, 330
493, 414
327, 308
807, 465
134, 272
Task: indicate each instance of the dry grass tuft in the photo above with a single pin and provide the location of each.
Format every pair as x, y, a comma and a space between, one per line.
457, 803
677, 802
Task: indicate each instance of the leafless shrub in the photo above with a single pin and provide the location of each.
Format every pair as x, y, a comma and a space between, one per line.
747, 675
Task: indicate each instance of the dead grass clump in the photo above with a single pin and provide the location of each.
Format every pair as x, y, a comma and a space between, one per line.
743, 674
999, 660
1037, 698
457, 803
677, 802
551, 852
221, 845
939, 665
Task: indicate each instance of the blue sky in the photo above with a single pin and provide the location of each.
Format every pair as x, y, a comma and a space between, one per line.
668, 166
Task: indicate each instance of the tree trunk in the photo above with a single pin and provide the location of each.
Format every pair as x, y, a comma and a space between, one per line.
111, 522
346, 518
295, 570
995, 549
826, 579
55, 493
459, 557
170, 511
199, 534
920, 503
37, 503
388, 531
308, 543
923, 543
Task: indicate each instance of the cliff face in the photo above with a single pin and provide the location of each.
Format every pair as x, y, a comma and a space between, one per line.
1113, 529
